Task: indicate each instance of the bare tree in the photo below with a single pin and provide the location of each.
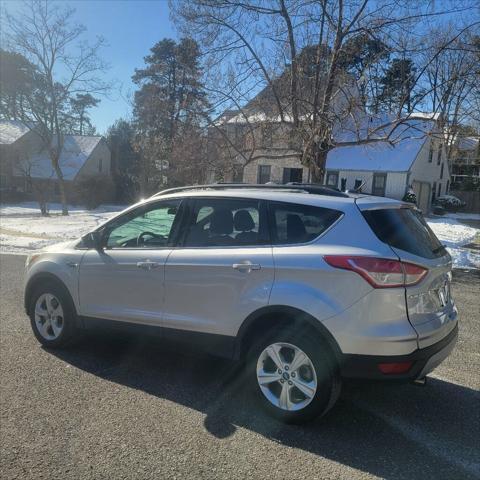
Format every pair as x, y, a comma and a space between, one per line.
451, 83
65, 66
26, 168
294, 52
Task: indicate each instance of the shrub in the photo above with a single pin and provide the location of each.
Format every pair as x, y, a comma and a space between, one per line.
92, 191
410, 196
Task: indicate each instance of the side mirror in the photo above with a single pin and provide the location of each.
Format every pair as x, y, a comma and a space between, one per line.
93, 240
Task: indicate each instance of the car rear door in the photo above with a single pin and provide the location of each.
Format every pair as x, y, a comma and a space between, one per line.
430, 306
224, 269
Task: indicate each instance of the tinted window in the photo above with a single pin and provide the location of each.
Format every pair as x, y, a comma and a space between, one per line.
226, 222
147, 228
299, 223
406, 229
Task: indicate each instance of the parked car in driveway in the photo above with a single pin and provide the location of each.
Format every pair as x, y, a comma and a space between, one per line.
449, 203
304, 284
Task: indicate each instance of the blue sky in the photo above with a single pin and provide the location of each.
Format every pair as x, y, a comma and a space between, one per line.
131, 28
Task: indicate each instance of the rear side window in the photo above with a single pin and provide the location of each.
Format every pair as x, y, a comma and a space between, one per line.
226, 222
406, 229
293, 223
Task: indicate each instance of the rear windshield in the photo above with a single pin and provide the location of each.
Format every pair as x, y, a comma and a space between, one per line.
406, 229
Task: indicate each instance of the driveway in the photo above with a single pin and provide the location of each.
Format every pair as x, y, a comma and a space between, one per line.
116, 408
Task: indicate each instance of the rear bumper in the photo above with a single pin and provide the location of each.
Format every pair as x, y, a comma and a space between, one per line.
423, 361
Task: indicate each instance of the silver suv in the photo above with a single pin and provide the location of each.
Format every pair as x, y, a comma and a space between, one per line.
306, 285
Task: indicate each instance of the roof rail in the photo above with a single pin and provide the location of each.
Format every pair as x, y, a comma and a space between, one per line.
311, 188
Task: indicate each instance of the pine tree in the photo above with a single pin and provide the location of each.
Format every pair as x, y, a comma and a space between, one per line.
169, 104
397, 86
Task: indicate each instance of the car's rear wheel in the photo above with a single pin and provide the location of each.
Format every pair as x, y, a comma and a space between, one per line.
52, 315
295, 377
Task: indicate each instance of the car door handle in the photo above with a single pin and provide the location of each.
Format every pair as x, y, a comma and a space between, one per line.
246, 267
148, 265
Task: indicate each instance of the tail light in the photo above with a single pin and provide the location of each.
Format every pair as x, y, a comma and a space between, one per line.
380, 272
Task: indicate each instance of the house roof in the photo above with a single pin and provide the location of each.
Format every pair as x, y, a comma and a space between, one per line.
468, 143
11, 131
76, 151
406, 140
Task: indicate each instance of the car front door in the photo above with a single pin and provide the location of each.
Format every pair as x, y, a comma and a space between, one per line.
222, 271
124, 280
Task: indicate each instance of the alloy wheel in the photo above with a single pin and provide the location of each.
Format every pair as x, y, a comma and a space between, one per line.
286, 376
49, 316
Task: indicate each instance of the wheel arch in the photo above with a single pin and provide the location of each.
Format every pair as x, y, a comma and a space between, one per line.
37, 279
281, 315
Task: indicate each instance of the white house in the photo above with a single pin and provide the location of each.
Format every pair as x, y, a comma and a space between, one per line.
24, 161
415, 157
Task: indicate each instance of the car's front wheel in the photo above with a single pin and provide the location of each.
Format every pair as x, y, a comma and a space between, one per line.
52, 315
294, 376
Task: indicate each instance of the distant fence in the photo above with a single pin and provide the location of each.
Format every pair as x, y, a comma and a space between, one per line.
472, 199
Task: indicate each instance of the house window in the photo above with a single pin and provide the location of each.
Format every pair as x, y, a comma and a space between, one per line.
439, 154
56, 188
263, 173
441, 172
332, 179
292, 175
3, 181
237, 173
267, 136
379, 184
430, 153
434, 191
447, 187
100, 164
439, 189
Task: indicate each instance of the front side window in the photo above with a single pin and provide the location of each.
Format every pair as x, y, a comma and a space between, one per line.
147, 228
292, 223
226, 222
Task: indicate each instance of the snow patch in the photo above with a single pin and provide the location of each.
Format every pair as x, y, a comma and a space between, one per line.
454, 235
23, 229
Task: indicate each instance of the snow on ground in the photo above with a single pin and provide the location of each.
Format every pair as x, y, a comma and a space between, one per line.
453, 235
23, 229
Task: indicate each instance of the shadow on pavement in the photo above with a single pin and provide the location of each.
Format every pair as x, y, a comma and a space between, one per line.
391, 431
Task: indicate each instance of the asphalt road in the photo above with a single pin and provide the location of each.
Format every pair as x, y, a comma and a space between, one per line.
133, 408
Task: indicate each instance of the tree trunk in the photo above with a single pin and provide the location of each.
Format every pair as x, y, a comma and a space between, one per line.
61, 185
317, 168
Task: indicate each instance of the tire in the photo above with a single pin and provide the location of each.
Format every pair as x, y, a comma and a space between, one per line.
52, 315
318, 372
